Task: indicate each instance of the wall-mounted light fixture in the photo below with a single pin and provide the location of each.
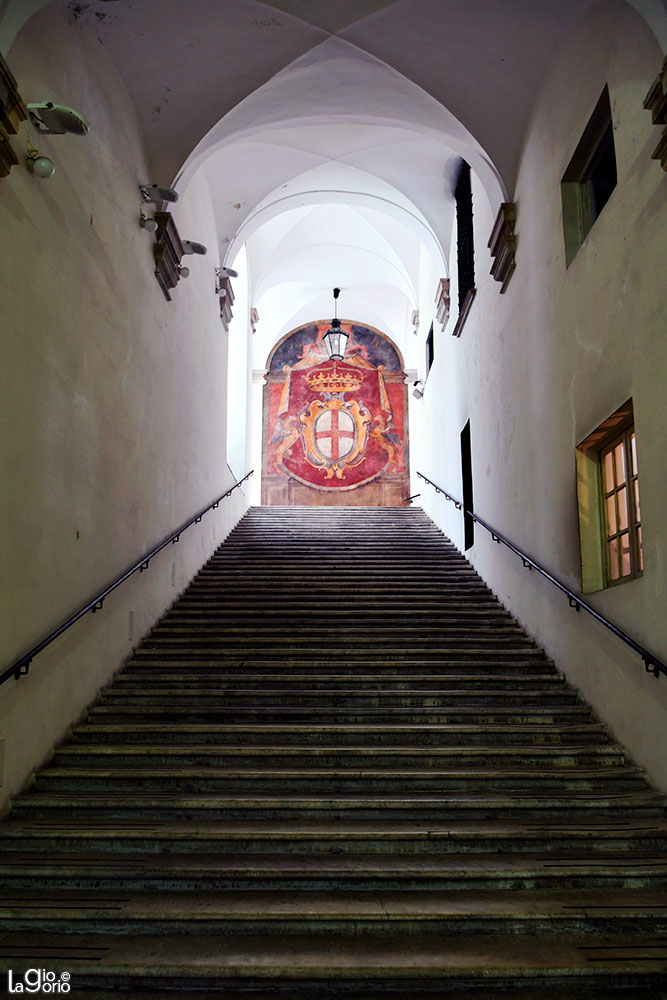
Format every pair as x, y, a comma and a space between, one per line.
150, 225
416, 391
183, 271
40, 166
335, 339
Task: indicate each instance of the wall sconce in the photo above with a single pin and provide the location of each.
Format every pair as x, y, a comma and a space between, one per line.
150, 225
417, 392
40, 166
183, 271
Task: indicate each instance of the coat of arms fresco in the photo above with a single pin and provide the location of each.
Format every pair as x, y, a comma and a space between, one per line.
335, 425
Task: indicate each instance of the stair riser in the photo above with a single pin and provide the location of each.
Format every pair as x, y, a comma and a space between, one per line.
41, 882
306, 786
354, 737
335, 758
440, 812
273, 715
159, 697
90, 923
602, 983
167, 664
595, 837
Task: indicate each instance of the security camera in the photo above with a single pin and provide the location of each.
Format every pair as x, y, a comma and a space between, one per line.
190, 247
56, 119
151, 192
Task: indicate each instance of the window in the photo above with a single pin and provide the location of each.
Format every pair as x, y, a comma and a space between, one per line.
429, 350
464, 245
466, 480
590, 178
620, 508
610, 527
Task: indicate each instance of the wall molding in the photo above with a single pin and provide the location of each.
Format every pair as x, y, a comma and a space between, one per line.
12, 112
502, 244
656, 102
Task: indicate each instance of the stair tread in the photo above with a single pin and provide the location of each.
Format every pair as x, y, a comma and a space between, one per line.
383, 864
164, 956
261, 904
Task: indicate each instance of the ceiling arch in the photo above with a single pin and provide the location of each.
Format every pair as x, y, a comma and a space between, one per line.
187, 66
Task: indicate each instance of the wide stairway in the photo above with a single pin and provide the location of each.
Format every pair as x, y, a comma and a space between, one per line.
338, 768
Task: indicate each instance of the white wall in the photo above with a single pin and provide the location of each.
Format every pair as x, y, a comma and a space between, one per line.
538, 368
114, 399
238, 370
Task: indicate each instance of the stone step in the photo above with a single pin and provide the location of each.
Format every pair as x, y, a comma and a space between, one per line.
349, 872
317, 965
454, 665
408, 837
204, 682
180, 709
363, 735
331, 780
122, 694
513, 912
441, 807
561, 759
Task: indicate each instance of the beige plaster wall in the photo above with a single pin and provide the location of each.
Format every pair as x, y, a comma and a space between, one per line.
538, 368
113, 399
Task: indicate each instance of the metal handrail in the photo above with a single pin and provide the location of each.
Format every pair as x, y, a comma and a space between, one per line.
22, 665
652, 663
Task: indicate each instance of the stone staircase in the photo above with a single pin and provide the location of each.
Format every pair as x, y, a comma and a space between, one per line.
338, 768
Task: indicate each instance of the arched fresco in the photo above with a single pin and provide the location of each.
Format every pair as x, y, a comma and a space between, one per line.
335, 432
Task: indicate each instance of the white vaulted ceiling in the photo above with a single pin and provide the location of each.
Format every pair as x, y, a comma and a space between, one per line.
330, 131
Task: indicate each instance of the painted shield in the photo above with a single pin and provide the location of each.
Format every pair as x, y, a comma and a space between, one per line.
331, 423
335, 434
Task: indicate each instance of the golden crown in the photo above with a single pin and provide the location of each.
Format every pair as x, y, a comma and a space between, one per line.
331, 380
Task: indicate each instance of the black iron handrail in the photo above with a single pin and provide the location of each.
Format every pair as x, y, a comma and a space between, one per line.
652, 663
22, 665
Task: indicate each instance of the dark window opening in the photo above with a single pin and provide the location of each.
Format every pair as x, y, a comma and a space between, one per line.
429, 350
465, 248
466, 478
590, 177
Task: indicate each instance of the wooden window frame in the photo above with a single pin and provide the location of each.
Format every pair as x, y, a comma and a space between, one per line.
632, 513
591, 502
580, 203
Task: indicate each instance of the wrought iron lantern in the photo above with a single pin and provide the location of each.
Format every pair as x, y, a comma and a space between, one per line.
336, 339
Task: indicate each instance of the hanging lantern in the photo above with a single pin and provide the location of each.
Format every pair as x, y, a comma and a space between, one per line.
335, 339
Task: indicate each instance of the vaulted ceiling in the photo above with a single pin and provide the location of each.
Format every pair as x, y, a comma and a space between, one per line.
295, 107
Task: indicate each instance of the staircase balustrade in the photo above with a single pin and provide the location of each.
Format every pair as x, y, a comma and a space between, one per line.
652, 664
21, 666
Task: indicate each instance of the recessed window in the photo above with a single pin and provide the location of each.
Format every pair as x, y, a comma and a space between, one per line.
590, 177
621, 511
610, 526
429, 350
465, 248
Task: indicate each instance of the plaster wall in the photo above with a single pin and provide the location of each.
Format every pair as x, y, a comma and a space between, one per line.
538, 368
113, 398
